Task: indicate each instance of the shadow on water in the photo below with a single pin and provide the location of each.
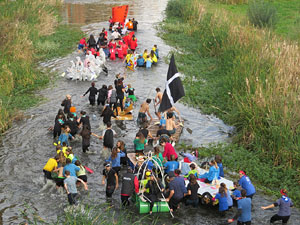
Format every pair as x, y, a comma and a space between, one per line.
27, 146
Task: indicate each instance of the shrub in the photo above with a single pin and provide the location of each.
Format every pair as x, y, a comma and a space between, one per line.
262, 13
175, 8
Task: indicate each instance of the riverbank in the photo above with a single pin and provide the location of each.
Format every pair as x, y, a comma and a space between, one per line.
249, 78
30, 32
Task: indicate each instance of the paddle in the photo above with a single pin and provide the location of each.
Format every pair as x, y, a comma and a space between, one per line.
155, 111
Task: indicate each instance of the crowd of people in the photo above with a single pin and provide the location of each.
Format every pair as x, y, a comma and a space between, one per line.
122, 44
67, 171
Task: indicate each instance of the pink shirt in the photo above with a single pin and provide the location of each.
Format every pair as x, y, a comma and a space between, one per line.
168, 151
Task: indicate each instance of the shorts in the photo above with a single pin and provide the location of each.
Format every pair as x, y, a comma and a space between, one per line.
60, 181
172, 131
142, 115
47, 174
83, 177
80, 46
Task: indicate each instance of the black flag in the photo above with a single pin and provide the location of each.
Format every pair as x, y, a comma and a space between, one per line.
174, 88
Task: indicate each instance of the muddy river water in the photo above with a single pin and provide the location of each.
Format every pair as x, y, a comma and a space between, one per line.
26, 147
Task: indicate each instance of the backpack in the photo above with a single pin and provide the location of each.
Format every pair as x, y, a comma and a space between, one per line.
108, 139
113, 97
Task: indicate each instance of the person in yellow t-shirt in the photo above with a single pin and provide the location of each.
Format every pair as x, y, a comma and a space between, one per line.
51, 166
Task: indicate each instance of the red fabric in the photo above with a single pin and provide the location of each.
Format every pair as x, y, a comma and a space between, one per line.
119, 13
133, 44
120, 53
136, 185
112, 44
202, 179
93, 51
168, 151
186, 159
82, 41
112, 52
126, 39
124, 49
98, 53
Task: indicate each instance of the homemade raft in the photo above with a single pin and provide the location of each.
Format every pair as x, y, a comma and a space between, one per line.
154, 126
126, 114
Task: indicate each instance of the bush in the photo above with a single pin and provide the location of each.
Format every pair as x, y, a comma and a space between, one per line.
262, 13
175, 8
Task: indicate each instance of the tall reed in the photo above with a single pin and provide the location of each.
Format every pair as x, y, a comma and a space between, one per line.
253, 80
25, 25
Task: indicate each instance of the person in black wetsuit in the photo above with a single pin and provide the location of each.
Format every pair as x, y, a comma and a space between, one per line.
66, 103
92, 42
93, 92
84, 119
72, 123
135, 23
102, 95
86, 138
107, 114
120, 94
154, 191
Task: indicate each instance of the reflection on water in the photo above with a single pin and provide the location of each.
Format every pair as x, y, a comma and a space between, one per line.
86, 12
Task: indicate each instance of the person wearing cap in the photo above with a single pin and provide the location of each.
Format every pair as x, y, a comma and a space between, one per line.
246, 184
284, 212
82, 44
176, 193
66, 103
243, 214
112, 181
130, 184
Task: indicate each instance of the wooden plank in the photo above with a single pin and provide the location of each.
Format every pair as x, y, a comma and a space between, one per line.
154, 126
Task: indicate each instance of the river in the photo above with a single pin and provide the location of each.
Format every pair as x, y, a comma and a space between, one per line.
27, 146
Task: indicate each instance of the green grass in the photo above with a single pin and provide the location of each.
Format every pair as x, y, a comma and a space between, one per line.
288, 13
103, 214
30, 32
247, 77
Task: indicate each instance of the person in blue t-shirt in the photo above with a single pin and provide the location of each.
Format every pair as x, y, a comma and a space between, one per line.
70, 167
236, 192
218, 159
171, 165
243, 214
222, 197
176, 193
246, 184
115, 159
284, 212
140, 61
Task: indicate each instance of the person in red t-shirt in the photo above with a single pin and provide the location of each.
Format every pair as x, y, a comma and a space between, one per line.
120, 52
82, 44
124, 49
133, 43
168, 149
112, 52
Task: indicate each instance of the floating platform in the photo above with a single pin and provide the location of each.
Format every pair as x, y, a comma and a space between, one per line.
154, 127
126, 114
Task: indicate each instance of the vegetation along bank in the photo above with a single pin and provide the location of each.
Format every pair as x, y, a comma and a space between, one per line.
242, 65
30, 32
